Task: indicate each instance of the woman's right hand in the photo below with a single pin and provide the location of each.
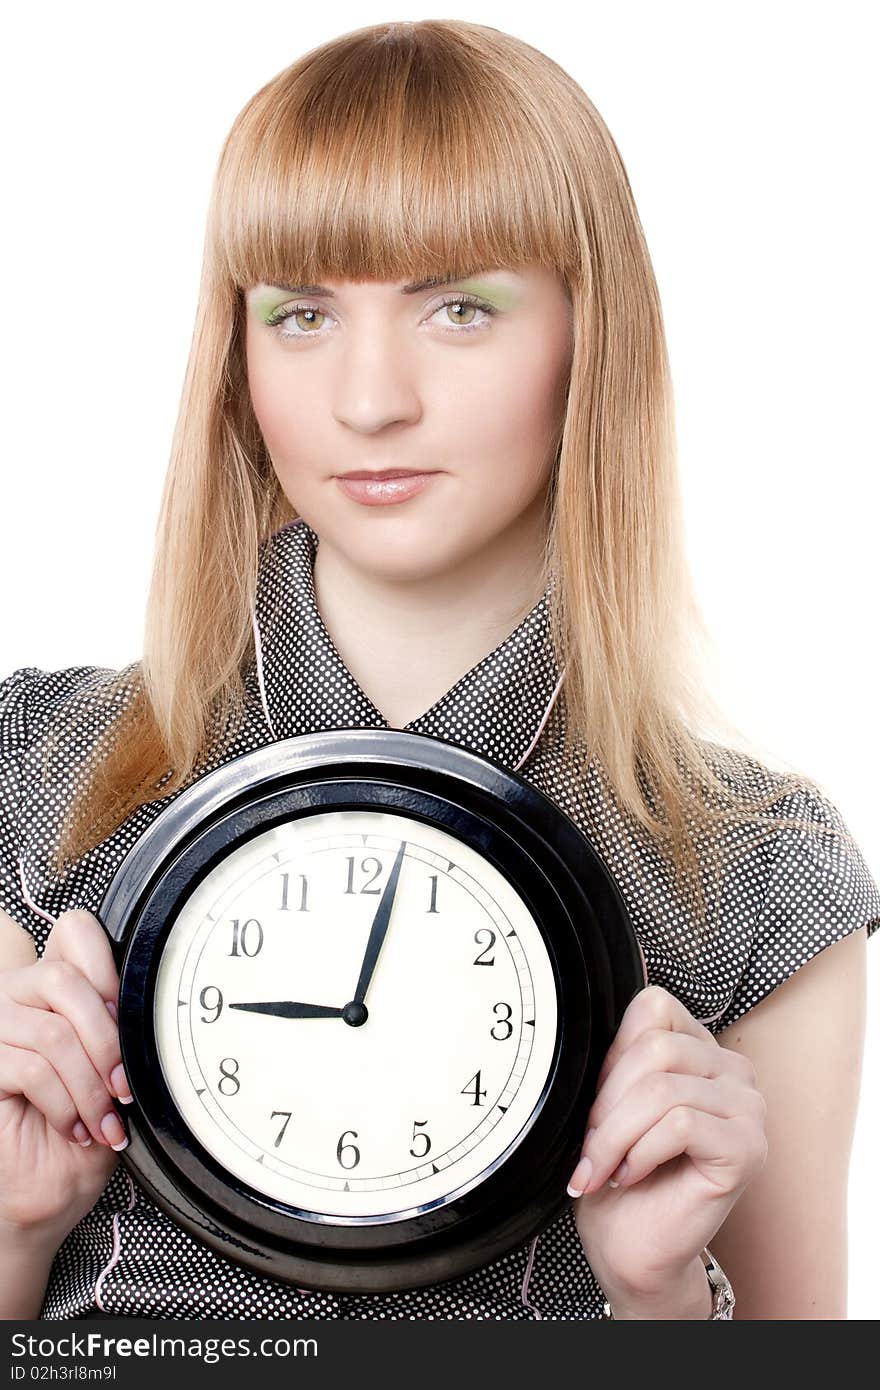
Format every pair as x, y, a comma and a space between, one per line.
60, 1069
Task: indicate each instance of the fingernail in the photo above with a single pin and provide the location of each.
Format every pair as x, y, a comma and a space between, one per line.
621, 1174
119, 1084
111, 1009
580, 1178
113, 1132
81, 1134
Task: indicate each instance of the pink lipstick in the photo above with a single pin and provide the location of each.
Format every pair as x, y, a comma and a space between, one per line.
380, 489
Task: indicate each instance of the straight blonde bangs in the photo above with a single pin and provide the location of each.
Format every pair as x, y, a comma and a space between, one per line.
379, 159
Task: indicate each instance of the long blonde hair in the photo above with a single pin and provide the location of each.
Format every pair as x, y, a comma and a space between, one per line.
402, 150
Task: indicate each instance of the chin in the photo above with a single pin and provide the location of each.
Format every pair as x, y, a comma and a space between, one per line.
402, 550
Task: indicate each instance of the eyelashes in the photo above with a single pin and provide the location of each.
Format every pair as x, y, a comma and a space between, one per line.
289, 311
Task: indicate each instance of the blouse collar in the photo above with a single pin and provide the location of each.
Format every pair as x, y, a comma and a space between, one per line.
497, 709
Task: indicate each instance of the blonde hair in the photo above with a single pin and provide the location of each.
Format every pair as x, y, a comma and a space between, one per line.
401, 150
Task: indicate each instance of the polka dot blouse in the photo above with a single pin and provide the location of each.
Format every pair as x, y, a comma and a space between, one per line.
784, 901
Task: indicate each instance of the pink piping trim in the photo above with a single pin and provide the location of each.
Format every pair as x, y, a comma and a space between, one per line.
27, 897
540, 728
258, 650
710, 1018
525, 1283
117, 1247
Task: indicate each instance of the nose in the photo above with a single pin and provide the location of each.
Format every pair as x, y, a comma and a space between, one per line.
375, 384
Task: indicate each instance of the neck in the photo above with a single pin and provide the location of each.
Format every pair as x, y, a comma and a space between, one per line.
407, 641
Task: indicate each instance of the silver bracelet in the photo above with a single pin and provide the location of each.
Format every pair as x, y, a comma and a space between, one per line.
723, 1298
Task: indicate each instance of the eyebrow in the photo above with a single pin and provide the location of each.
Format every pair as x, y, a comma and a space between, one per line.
412, 288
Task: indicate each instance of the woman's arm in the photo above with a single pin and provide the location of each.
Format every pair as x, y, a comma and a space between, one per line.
25, 1266
784, 1243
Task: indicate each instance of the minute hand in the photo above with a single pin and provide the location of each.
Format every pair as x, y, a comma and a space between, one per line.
379, 928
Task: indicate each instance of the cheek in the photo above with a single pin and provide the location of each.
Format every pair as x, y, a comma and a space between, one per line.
261, 388
286, 416
513, 421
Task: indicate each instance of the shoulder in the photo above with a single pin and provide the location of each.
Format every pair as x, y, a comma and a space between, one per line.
799, 817
813, 884
750, 777
33, 688
14, 691
30, 696
51, 721
785, 811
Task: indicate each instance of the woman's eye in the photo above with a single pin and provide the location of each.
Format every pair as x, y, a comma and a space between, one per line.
466, 308
296, 312
461, 314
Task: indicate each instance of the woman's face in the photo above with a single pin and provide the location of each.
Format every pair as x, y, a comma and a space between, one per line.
464, 380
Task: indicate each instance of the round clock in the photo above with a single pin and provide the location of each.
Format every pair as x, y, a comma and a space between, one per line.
367, 981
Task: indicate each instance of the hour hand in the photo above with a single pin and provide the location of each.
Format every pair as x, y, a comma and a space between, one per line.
287, 1008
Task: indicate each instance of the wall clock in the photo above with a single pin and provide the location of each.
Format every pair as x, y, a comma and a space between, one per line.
367, 981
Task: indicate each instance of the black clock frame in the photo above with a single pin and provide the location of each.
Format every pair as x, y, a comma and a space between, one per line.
595, 956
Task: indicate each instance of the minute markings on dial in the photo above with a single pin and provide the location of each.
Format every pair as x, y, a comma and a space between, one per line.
324, 885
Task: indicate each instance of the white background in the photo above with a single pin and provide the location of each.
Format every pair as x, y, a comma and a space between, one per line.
749, 134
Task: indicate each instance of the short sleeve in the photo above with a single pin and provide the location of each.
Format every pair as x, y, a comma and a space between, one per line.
819, 890
14, 692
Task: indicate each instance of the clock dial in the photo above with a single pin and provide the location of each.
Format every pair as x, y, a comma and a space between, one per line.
356, 1014
366, 982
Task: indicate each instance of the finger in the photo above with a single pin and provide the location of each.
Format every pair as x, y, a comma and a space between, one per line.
652, 1007
52, 1037
657, 1050
642, 1107
17, 945
25, 1073
58, 987
726, 1148
79, 938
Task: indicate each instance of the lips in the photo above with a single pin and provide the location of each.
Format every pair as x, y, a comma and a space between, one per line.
385, 475
383, 489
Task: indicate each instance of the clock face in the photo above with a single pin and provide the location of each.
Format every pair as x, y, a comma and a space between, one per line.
339, 1089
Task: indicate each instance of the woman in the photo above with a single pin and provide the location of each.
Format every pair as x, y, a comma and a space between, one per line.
423, 254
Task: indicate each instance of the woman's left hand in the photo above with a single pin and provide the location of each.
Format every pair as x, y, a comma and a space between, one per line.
686, 1117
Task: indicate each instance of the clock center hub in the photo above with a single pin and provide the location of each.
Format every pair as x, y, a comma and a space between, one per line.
355, 1014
